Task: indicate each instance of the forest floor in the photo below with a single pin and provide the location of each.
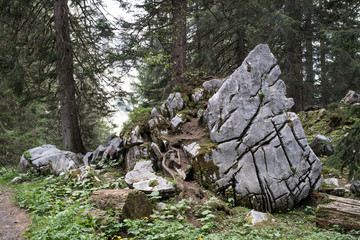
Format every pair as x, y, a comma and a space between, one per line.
13, 220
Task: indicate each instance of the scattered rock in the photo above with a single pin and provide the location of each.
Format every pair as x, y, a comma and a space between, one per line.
155, 113
48, 159
213, 85
338, 192
135, 138
173, 104
262, 150
332, 182
84, 174
355, 188
131, 204
113, 149
192, 149
156, 150
109, 138
134, 154
160, 206
351, 98
143, 178
15, 180
197, 96
176, 121
322, 145
255, 217
95, 156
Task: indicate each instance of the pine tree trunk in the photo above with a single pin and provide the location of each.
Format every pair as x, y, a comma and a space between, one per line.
309, 64
70, 126
179, 42
293, 54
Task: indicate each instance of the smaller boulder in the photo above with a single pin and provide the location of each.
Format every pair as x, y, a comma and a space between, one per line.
338, 192
332, 182
48, 159
95, 156
155, 113
173, 104
143, 178
322, 146
157, 151
351, 98
177, 121
134, 154
192, 149
197, 96
255, 217
355, 188
131, 204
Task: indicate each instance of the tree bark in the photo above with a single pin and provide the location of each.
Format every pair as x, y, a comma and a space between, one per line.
293, 56
343, 212
70, 125
179, 43
309, 62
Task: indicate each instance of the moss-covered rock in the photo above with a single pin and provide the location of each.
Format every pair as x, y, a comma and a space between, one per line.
130, 203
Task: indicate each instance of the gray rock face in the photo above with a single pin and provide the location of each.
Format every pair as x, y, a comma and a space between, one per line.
173, 104
355, 188
48, 159
262, 150
198, 95
192, 149
113, 150
134, 154
155, 113
351, 98
177, 121
143, 178
322, 146
213, 85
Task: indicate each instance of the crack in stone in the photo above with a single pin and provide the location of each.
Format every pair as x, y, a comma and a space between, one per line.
245, 129
265, 160
282, 144
297, 140
263, 194
271, 194
223, 121
264, 141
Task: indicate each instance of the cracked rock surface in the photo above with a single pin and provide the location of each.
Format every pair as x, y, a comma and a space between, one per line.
262, 154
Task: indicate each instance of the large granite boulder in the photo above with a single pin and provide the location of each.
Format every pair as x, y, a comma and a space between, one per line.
262, 154
48, 159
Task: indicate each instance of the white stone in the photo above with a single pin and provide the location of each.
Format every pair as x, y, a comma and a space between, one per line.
192, 149
332, 181
255, 217
143, 178
176, 121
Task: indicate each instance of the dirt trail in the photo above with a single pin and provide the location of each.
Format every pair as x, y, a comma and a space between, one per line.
13, 220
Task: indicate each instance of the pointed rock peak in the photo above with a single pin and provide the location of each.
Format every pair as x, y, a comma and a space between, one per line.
262, 153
